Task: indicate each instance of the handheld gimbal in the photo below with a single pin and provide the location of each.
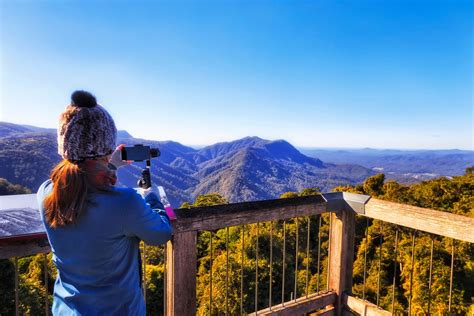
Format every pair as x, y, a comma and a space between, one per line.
141, 153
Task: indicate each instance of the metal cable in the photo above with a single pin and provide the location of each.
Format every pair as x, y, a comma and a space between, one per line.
242, 273
283, 264
451, 277
256, 269
227, 271
380, 262
431, 275
365, 256
395, 263
412, 263
307, 254
329, 251
271, 267
296, 258
210, 275
319, 254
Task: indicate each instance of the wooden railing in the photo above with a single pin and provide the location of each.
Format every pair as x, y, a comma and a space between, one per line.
181, 255
182, 258
417, 220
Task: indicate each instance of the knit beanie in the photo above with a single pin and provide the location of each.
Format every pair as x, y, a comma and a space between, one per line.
86, 130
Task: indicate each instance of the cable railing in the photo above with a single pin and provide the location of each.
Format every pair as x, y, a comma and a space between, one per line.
402, 245
153, 260
421, 260
261, 265
20, 250
266, 266
292, 256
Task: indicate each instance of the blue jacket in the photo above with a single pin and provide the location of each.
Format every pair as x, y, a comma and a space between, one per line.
97, 257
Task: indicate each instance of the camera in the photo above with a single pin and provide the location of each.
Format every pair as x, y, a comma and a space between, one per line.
139, 153
145, 153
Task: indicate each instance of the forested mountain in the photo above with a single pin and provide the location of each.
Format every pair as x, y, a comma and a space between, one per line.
247, 169
27, 158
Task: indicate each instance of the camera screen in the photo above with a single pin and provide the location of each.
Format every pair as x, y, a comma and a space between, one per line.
136, 153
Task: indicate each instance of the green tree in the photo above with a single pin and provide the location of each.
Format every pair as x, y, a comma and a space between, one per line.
287, 195
374, 185
310, 191
209, 200
6, 188
155, 289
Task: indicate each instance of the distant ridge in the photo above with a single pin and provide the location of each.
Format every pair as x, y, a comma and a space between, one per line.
124, 134
406, 166
7, 129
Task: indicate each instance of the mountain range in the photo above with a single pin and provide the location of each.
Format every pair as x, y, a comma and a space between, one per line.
406, 166
246, 169
250, 168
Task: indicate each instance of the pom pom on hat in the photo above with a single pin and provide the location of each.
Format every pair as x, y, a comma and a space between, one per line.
83, 99
86, 130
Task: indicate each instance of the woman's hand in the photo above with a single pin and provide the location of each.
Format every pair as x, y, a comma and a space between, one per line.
116, 158
151, 196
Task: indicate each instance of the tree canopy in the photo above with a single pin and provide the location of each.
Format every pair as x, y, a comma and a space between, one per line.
302, 266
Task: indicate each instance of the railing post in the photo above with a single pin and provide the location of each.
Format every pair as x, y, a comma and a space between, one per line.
181, 274
341, 254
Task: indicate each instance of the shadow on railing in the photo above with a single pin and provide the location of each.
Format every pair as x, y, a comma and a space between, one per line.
288, 257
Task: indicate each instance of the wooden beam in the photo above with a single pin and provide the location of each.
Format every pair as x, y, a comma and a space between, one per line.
362, 307
427, 220
220, 216
328, 311
341, 254
22, 248
301, 305
181, 258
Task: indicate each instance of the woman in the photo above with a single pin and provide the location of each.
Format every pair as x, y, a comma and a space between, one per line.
93, 227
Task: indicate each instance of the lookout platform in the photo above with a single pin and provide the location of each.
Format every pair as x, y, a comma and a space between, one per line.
264, 218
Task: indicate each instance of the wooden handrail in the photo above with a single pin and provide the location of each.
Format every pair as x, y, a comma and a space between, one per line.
221, 216
362, 307
27, 247
300, 306
427, 220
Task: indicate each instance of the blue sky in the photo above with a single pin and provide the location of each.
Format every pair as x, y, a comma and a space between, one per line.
383, 74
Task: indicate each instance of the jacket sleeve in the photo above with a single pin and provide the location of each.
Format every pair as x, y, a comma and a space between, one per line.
149, 225
156, 204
